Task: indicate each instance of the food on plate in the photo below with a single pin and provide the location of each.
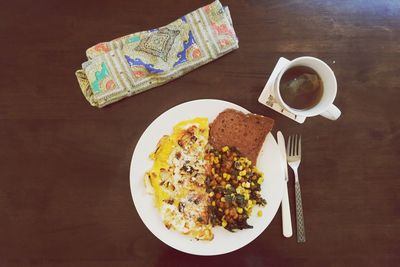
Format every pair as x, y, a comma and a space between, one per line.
178, 179
246, 132
234, 187
202, 178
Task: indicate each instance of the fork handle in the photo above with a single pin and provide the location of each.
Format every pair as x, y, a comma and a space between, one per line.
301, 233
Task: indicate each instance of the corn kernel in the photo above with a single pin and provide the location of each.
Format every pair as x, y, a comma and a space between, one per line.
249, 162
224, 223
246, 196
213, 203
235, 158
224, 175
254, 201
260, 180
242, 173
247, 185
243, 184
239, 178
259, 213
216, 160
213, 171
249, 204
211, 194
222, 199
240, 210
228, 186
228, 177
219, 209
225, 148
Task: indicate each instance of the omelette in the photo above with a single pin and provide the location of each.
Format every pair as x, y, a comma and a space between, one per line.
177, 179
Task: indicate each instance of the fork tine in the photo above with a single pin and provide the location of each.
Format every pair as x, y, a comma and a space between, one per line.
289, 143
294, 145
299, 145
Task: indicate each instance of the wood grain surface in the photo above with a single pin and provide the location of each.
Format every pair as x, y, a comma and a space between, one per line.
64, 165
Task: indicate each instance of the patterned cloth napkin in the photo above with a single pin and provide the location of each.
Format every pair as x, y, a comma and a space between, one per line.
140, 61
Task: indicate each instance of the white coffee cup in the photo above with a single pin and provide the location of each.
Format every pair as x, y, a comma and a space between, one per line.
325, 105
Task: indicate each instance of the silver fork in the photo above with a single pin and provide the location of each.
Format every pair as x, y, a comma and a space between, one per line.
293, 151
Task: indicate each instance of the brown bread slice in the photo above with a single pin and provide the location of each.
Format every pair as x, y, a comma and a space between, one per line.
246, 132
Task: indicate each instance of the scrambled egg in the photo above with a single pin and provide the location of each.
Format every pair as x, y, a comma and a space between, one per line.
177, 179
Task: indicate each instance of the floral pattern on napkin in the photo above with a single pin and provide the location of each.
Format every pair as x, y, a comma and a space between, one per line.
140, 61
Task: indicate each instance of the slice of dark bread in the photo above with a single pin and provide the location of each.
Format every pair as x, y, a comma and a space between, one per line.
246, 132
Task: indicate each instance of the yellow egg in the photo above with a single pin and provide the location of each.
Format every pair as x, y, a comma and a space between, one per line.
165, 147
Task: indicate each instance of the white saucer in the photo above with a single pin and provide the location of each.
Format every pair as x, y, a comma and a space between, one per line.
267, 97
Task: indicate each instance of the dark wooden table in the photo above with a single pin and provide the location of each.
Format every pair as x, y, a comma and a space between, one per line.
64, 165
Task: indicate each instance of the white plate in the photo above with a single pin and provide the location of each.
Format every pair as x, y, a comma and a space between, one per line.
269, 162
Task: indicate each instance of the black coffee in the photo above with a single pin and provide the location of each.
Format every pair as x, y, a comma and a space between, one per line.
301, 87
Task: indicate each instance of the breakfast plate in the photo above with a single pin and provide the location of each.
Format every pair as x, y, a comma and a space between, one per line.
269, 162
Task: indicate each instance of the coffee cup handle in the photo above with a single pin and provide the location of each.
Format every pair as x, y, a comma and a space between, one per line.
332, 113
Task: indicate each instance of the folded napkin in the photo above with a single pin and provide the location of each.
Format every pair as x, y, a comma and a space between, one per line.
140, 61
